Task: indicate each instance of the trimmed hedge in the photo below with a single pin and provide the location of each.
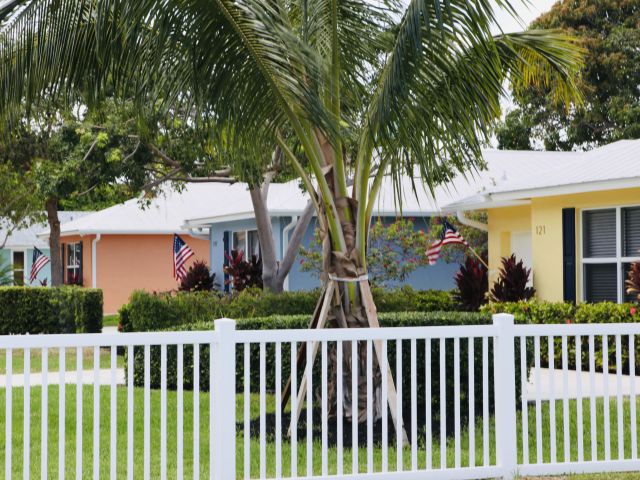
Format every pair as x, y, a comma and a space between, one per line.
50, 310
537, 312
147, 312
387, 320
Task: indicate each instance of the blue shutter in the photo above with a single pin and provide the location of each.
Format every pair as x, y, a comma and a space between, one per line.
569, 254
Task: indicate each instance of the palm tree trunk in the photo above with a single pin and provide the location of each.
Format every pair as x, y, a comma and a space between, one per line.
51, 206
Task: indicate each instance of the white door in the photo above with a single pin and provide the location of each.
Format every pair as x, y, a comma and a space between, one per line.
521, 248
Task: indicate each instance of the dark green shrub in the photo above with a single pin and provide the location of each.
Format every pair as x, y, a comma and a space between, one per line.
147, 312
50, 310
559, 312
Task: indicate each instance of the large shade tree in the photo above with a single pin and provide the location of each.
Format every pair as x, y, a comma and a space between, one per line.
348, 90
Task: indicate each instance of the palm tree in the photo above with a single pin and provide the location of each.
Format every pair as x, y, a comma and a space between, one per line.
348, 91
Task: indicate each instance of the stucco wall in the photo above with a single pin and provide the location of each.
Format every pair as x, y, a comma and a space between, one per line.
544, 219
502, 223
134, 262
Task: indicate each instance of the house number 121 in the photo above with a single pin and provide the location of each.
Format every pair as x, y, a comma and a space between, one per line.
541, 229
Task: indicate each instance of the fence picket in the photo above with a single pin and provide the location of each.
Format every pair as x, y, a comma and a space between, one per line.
620, 411
180, 412
354, 407
443, 405
369, 407
130, 355
592, 399
385, 409
565, 401
524, 410
8, 416
414, 407
579, 399
632, 398
309, 378
278, 401
26, 465
485, 401
427, 394
113, 412
163, 412
339, 409
62, 412
247, 411
96, 412
607, 412
44, 406
78, 413
553, 441
456, 402
196, 411
294, 408
324, 410
536, 356
263, 411
147, 412
472, 412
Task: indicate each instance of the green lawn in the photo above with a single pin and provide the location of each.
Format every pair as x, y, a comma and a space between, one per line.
69, 447
54, 360
110, 320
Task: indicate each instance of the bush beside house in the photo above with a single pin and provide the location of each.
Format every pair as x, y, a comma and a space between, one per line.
146, 311
50, 310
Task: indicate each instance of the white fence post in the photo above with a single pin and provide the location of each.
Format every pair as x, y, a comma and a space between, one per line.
224, 434
505, 391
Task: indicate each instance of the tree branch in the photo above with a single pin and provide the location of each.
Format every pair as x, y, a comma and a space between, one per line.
294, 243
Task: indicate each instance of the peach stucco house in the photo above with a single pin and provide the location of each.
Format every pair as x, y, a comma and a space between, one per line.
128, 246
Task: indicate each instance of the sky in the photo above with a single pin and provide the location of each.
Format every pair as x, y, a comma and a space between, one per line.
528, 13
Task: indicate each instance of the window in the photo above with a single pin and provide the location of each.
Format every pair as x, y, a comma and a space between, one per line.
18, 267
74, 263
610, 243
247, 241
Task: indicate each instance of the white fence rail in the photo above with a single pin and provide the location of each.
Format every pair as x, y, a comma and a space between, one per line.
475, 402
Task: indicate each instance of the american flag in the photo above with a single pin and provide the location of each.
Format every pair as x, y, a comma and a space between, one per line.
449, 236
38, 262
181, 253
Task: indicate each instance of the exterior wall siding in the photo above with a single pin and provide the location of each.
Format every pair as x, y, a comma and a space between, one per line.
133, 262
544, 219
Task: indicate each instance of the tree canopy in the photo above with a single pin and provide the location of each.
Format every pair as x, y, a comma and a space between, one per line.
609, 31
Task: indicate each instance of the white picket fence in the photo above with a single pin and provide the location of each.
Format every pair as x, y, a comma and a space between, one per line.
175, 429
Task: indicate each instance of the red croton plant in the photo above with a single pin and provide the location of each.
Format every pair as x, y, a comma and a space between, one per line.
633, 280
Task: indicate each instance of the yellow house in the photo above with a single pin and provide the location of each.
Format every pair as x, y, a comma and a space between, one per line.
573, 217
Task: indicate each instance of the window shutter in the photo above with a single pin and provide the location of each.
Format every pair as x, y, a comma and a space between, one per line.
631, 232
601, 282
227, 251
79, 253
600, 233
569, 254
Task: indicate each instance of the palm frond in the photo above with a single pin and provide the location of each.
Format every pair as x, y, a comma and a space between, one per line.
232, 62
440, 90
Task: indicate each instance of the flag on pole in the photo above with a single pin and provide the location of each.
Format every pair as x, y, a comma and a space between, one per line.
449, 236
39, 260
181, 253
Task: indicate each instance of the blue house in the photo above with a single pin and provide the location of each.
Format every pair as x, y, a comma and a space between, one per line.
17, 250
230, 224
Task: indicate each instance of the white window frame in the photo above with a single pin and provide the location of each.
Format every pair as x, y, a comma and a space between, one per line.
76, 266
246, 232
619, 260
24, 267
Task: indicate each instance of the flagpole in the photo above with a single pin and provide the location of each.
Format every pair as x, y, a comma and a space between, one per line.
478, 257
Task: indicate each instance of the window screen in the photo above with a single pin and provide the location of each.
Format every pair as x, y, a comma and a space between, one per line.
601, 282
631, 232
599, 233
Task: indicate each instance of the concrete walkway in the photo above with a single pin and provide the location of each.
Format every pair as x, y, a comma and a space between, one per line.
546, 377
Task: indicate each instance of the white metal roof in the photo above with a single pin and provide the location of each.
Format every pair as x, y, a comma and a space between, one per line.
511, 178
537, 174
28, 237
